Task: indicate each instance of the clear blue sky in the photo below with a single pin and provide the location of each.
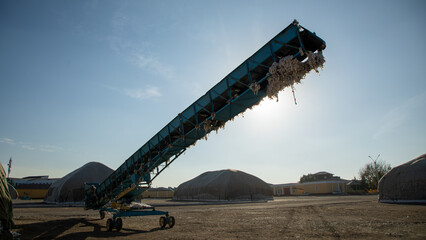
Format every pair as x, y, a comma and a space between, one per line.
85, 81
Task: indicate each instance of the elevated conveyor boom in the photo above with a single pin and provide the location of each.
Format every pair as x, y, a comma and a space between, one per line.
231, 96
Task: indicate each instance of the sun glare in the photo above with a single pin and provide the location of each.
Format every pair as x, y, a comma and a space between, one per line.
267, 115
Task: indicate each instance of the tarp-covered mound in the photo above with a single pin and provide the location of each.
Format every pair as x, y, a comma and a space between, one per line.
71, 187
405, 183
224, 185
12, 191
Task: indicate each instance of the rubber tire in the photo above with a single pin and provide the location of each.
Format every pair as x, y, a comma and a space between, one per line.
163, 222
102, 214
118, 224
171, 221
109, 225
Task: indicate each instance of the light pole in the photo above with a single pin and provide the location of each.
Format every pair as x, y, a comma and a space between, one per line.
376, 174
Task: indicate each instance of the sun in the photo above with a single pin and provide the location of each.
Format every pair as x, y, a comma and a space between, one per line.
264, 115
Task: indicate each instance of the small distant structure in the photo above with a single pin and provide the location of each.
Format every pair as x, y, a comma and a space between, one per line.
160, 192
319, 176
32, 187
354, 185
312, 184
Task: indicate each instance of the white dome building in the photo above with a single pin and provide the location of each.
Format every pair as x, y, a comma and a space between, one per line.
70, 188
405, 183
224, 185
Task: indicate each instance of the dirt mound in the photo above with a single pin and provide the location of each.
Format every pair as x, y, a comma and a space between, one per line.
405, 183
224, 185
71, 187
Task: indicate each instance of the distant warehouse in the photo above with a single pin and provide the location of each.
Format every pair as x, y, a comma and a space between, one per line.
159, 193
318, 183
32, 187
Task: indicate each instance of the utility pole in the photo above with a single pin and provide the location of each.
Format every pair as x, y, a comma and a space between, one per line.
9, 167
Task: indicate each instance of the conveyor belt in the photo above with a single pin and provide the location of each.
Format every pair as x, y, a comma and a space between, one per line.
231, 96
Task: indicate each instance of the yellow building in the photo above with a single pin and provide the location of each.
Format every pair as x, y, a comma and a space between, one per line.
317, 183
308, 188
33, 187
28, 193
158, 193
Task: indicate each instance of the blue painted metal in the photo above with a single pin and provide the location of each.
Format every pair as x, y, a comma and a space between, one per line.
134, 212
231, 96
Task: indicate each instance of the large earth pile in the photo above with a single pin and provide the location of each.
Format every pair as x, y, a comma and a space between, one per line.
71, 187
224, 185
405, 183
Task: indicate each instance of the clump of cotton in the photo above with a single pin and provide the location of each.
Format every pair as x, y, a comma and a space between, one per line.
288, 71
284, 73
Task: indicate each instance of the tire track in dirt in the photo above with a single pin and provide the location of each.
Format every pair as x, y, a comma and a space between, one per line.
326, 223
288, 220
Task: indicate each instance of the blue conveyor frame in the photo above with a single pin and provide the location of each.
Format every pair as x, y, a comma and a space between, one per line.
228, 98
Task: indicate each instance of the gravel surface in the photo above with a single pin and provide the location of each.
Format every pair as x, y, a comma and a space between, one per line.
307, 217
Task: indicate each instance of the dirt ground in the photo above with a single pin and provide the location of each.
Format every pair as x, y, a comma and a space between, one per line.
307, 217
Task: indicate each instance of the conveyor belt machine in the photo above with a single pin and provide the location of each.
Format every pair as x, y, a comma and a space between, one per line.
241, 89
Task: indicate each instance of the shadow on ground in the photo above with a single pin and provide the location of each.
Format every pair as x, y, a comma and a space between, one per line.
57, 228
